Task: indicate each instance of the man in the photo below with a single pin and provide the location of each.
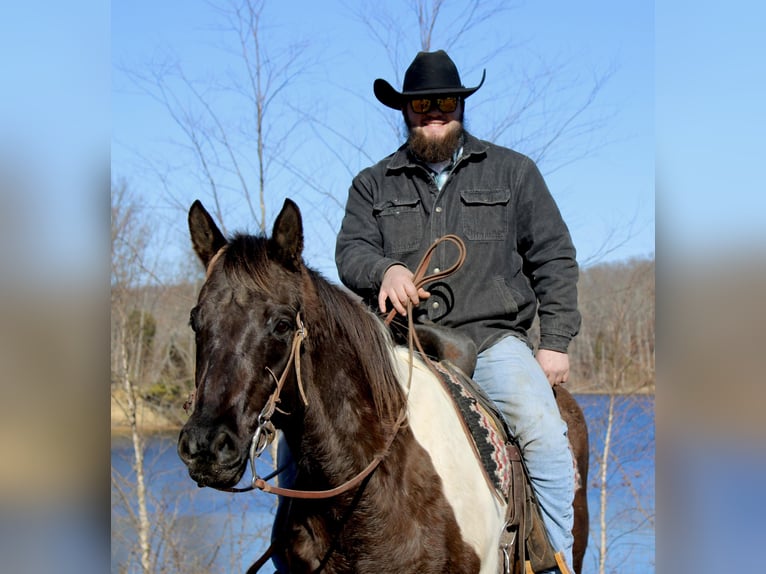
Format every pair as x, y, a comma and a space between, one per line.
520, 261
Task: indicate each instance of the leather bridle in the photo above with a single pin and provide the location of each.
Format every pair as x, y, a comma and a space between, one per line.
265, 433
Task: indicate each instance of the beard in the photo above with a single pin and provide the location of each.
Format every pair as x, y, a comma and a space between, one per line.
434, 150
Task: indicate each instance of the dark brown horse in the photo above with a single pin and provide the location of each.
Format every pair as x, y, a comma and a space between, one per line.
276, 341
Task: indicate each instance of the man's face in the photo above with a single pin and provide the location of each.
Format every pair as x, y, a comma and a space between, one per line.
435, 134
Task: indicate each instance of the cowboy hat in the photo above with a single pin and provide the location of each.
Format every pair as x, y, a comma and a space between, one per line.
430, 73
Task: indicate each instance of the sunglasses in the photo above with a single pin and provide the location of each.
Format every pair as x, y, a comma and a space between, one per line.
424, 105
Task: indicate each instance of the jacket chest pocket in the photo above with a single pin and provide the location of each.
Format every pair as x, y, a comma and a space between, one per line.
484, 213
401, 224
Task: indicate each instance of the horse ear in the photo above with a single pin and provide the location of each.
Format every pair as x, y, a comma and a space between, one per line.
206, 238
286, 243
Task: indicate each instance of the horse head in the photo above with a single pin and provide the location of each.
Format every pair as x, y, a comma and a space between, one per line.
245, 321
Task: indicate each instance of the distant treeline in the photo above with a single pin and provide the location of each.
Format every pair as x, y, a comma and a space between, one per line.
614, 352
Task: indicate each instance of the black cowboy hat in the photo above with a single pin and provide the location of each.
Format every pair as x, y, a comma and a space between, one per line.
430, 73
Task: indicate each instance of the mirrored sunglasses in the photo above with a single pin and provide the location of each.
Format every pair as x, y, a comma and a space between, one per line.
424, 105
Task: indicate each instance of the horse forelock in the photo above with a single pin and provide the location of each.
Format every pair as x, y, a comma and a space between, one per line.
246, 263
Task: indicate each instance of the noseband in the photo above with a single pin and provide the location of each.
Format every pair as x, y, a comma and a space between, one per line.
265, 433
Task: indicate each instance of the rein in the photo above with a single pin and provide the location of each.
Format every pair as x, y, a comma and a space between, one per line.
420, 278
265, 432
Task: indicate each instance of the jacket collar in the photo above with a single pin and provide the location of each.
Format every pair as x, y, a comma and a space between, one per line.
402, 158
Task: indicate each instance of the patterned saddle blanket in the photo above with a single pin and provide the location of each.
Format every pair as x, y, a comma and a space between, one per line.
484, 423
494, 447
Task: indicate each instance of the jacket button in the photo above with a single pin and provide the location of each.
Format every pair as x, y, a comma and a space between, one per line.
436, 269
438, 210
435, 305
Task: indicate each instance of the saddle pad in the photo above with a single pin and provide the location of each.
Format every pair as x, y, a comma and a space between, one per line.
483, 422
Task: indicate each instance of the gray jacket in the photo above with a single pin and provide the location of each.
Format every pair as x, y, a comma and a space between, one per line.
519, 251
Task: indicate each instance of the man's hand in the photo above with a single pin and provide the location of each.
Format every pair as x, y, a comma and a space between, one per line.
555, 366
399, 288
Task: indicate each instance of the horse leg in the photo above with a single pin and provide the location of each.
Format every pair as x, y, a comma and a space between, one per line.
578, 438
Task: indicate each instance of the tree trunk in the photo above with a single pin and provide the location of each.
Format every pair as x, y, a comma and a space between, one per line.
143, 525
602, 554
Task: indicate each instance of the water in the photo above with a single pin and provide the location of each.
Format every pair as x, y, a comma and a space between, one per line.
196, 529
630, 504
206, 531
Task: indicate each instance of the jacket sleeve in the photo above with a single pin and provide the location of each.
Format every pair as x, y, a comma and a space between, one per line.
359, 254
549, 257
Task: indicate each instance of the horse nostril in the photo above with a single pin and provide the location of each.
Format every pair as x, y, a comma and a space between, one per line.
224, 447
187, 447
205, 446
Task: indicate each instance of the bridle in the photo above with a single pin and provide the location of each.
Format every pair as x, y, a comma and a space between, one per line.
265, 433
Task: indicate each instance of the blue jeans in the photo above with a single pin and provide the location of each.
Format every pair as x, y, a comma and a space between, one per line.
511, 376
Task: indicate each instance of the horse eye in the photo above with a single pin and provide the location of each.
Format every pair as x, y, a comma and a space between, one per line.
282, 326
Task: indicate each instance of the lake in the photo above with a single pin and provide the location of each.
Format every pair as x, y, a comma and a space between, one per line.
206, 531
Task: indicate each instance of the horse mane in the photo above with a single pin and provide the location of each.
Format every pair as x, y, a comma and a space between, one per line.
369, 344
340, 317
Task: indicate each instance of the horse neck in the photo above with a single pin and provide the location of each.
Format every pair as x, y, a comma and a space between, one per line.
341, 430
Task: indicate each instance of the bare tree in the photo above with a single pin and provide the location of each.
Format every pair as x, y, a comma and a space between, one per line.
614, 351
615, 354
530, 104
129, 239
149, 348
221, 144
240, 132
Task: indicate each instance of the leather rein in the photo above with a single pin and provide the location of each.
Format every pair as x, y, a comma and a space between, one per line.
265, 432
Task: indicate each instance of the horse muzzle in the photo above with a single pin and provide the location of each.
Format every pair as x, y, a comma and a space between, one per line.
214, 456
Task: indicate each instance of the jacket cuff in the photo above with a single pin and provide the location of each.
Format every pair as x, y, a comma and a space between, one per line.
379, 269
553, 342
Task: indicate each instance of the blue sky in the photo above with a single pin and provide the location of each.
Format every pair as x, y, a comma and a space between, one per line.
688, 86
54, 138
710, 74
606, 195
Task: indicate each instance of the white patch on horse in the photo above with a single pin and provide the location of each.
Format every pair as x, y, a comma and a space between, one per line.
435, 424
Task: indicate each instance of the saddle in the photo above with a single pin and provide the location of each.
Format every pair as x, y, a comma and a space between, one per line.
524, 540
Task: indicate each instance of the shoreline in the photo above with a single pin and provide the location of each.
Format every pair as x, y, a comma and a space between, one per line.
151, 422
148, 420
121, 431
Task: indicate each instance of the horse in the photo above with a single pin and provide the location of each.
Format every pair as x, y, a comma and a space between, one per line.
277, 343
